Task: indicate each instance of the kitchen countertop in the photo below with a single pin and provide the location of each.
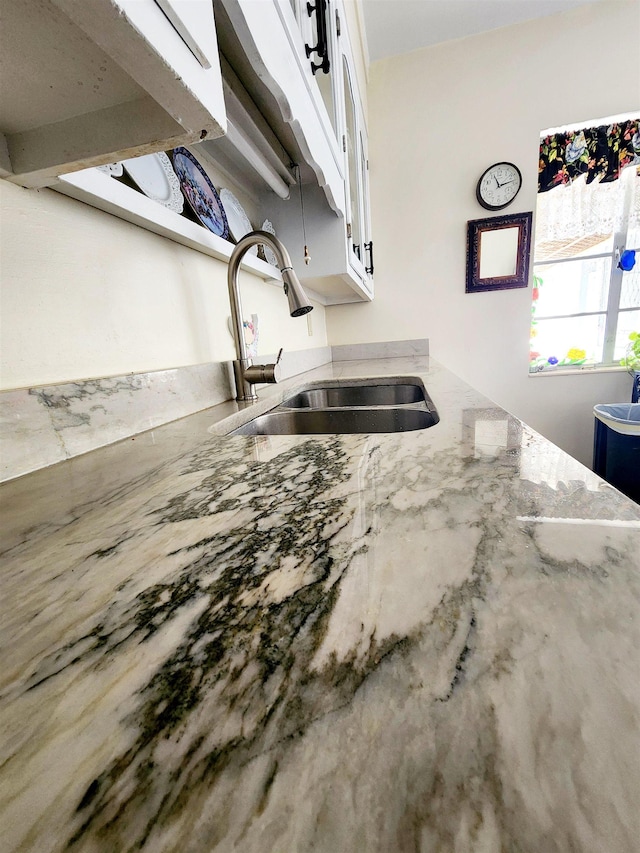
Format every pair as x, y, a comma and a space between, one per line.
424, 641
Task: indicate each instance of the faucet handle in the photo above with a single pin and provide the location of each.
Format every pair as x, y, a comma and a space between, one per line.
258, 374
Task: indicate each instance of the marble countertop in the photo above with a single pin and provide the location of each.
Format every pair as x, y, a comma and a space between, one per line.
424, 641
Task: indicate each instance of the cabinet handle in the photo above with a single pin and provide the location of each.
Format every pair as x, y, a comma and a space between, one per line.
368, 247
322, 47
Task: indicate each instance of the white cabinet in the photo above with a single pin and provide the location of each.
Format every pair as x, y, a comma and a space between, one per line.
339, 239
300, 53
265, 35
87, 82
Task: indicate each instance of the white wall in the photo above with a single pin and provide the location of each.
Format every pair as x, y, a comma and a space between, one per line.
438, 117
85, 295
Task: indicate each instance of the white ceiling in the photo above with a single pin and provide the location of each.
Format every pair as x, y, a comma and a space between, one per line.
400, 26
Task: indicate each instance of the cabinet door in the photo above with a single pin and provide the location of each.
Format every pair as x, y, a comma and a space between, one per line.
367, 239
358, 226
355, 224
193, 21
318, 24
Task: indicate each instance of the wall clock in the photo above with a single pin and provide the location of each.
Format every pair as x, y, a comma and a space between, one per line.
498, 186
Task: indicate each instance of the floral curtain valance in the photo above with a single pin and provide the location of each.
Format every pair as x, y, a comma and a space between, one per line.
597, 152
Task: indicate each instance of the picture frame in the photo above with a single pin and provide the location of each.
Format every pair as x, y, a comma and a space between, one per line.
498, 252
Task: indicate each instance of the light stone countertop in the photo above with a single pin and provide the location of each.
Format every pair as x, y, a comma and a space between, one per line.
423, 641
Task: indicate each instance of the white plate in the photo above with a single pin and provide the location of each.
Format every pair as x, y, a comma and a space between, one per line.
239, 222
114, 169
269, 257
154, 175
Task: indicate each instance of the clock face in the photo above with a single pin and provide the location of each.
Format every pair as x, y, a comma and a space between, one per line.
498, 186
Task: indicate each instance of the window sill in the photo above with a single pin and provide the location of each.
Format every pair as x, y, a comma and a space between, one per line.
576, 371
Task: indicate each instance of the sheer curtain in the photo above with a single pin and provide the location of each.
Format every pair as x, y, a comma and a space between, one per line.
578, 210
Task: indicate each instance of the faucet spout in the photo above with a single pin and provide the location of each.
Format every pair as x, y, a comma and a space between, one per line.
245, 372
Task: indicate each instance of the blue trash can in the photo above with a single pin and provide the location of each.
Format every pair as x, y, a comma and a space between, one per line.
616, 446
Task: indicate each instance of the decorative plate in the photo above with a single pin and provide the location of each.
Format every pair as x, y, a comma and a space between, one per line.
269, 257
114, 169
153, 174
200, 192
239, 222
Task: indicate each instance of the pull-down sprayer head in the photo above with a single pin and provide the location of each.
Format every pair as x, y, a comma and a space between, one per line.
298, 302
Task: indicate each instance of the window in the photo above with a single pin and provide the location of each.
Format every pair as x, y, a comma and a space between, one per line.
584, 304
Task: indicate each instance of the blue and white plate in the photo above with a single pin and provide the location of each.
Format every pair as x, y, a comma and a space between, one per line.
200, 192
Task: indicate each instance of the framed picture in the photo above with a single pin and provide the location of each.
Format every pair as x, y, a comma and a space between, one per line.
498, 250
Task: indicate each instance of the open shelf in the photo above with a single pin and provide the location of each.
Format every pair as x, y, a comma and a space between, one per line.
102, 191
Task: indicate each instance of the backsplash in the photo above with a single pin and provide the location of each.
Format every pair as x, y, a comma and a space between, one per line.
44, 425
48, 424
382, 349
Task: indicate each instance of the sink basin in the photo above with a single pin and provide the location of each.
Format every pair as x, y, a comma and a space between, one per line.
389, 404
392, 394
338, 421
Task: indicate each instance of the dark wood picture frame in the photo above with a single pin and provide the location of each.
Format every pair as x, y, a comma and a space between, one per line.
506, 273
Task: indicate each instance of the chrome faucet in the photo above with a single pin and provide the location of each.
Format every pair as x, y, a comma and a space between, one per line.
247, 374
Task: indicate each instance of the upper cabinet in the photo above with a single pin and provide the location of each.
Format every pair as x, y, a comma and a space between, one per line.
266, 95
88, 82
265, 47
307, 87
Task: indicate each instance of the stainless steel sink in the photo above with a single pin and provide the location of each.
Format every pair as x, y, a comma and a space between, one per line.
338, 421
389, 404
396, 394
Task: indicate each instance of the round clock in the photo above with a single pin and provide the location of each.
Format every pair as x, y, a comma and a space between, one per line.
498, 186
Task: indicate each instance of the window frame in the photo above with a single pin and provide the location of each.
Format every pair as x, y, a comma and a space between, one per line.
612, 311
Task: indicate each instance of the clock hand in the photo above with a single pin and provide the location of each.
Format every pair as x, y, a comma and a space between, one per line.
496, 180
